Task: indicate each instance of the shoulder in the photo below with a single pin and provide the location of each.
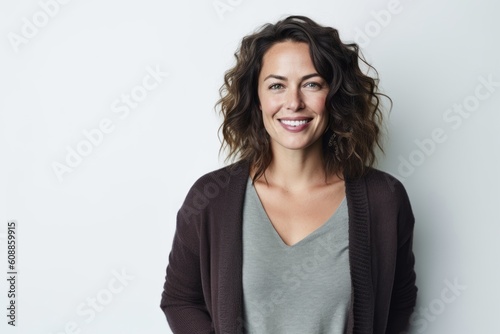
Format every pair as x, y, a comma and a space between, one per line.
380, 184
222, 178
388, 197
382, 194
217, 190
212, 198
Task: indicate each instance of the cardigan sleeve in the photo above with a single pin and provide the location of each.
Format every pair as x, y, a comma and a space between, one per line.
404, 292
182, 299
201, 295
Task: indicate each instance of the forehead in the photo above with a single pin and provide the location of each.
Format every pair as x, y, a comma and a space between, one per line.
287, 57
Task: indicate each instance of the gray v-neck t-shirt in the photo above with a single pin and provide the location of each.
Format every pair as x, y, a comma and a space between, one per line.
304, 288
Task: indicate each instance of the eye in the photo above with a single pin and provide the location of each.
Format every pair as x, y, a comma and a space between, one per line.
313, 85
276, 86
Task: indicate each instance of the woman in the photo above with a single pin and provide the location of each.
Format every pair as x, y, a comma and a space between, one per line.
301, 234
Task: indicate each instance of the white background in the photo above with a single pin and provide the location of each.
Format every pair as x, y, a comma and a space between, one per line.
115, 211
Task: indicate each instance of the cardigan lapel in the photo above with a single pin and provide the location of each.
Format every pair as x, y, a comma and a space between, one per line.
230, 259
361, 317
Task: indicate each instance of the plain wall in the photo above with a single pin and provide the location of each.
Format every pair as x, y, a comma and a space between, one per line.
94, 232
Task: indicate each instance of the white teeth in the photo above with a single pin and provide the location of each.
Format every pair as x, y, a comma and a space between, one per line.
293, 123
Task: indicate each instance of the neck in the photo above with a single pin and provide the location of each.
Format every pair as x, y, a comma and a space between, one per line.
297, 170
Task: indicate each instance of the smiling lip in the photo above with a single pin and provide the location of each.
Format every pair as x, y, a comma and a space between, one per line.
295, 124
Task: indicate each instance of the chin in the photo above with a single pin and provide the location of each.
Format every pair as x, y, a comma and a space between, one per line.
296, 145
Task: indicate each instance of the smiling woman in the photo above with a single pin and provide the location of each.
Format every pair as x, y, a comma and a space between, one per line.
303, 235
284, 96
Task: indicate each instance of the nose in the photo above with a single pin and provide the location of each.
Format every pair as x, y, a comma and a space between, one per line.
294, 100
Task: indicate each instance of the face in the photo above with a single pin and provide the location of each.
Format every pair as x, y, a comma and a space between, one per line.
292, 97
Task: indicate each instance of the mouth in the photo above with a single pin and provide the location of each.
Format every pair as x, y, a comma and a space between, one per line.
295, 122
295, 125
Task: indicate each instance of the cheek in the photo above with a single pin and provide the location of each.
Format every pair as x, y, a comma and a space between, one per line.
322, 112
265, 109
320, 106
269, 106
267, 115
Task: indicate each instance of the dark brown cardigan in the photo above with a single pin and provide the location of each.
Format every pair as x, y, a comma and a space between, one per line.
203, 289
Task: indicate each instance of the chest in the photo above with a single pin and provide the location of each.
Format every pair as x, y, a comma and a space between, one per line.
296, 215
298, 288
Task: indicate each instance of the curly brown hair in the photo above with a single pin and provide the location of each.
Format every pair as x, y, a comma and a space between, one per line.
353, 101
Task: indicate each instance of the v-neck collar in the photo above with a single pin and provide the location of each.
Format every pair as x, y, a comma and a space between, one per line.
270, 226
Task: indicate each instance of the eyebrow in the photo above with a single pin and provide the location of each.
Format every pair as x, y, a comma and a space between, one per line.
280, 77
